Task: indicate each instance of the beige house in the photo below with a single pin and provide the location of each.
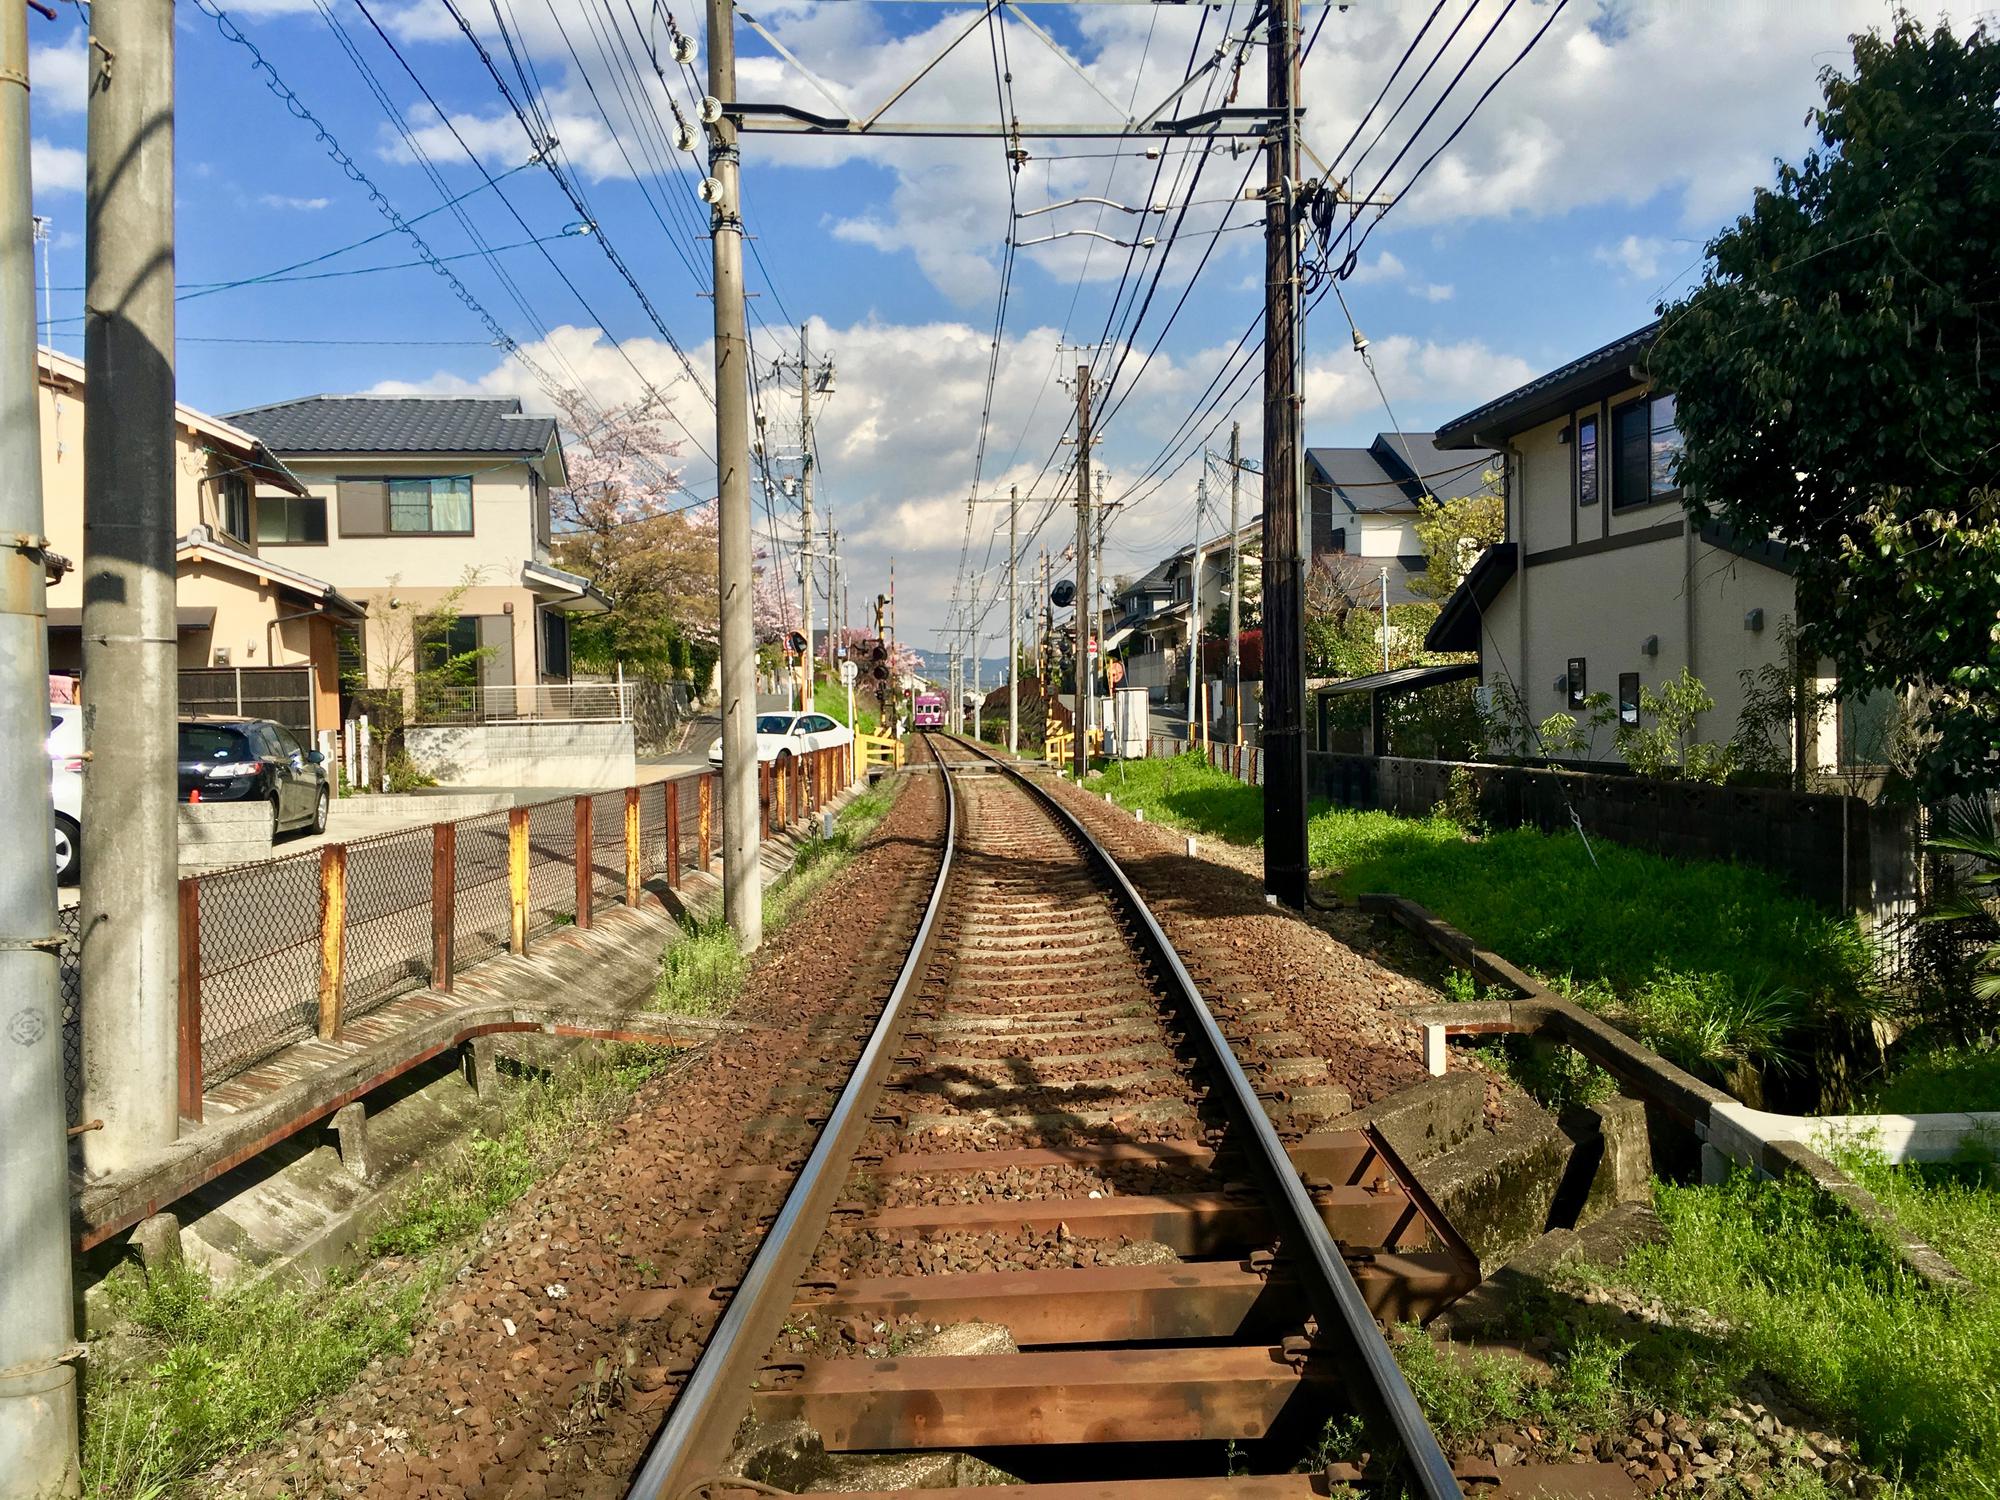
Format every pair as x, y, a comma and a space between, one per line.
1603, 583
236, 607
1364, 503
410, 502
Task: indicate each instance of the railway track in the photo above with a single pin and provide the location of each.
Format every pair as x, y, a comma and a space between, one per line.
1068, 1225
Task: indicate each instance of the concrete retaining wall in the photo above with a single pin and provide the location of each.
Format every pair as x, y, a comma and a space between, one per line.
357, 816
213, 834
550, 753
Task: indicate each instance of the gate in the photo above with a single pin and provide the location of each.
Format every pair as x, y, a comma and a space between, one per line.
281, 694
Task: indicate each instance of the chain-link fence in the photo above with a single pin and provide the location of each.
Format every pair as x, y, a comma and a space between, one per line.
70, 969
295, 947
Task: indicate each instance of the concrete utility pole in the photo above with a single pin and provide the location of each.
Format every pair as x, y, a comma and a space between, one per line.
38, 1389
1080, 755
808, 580
1385, 625
1194, 596
832, 592
128, 914
1047, 618
1013, 620
742, 877
1235, 582
1285, 871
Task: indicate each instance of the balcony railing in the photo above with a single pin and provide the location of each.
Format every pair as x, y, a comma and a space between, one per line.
525, 703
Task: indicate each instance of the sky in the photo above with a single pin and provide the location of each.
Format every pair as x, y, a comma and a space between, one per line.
1580, 193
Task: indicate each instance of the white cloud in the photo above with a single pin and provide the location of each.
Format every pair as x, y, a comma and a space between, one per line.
1636, 257
56, 169
303, 205
58, 75
1386, 268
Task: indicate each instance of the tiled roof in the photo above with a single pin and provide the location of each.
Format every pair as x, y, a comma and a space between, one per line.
1384, 477
1521, 408
399, 424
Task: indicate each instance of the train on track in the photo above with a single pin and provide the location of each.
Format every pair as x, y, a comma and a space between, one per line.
930, 711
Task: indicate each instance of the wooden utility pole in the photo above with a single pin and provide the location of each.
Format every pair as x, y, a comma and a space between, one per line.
1285, 869
808, 578
1080, 756
742, 878
1235, 582
1194, 597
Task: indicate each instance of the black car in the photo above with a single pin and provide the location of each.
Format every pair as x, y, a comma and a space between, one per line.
254, 760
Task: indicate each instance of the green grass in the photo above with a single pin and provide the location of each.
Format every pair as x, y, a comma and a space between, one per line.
1710, 963
830, 698
1933, 1080
1185, 792
1809, 1293
204, 1372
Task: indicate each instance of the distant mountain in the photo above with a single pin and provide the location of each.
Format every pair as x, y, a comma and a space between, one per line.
936, 664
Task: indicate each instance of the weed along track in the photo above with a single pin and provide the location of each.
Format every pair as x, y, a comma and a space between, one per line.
1071, 1229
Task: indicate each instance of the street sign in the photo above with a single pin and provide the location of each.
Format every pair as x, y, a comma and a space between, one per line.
847, 672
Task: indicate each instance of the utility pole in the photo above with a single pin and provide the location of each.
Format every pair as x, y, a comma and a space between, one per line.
808, 581
1235, 581
1080, 756
832, 591
38, 1455
128, 912
1013, 621
1285, 868
1194, 595
742, 878
1385, 625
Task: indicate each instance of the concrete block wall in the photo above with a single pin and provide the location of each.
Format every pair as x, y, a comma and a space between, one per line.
214, 834
548, 753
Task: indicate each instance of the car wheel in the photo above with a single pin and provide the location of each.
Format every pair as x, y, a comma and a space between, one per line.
320, 809
277, 822
69, 849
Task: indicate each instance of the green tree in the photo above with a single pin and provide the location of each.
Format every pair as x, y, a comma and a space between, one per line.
1835, 373
1453, 533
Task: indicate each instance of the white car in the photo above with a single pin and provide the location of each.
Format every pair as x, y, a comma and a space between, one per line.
66, 786
782, 735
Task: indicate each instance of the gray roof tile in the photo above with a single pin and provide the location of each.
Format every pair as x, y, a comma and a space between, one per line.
399, 424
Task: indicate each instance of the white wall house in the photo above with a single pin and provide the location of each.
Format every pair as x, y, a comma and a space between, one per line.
1603, 583
1363, 502
410, 498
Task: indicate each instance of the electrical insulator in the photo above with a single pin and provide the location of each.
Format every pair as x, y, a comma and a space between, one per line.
711, 109
710, 190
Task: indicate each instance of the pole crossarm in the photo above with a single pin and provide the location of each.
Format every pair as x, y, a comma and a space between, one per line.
1227, 122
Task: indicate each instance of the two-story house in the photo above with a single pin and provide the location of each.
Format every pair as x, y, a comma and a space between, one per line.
413, 502
1150, 624
236, 606
1603, 583
1364, 501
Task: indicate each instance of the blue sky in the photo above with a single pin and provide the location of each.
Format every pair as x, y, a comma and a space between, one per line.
1581, 192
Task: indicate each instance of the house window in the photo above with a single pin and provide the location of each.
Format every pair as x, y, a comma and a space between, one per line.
232, 505
1645, 442
1337, 539
1586, 461
555, 644
375, 506
291, 520
1576, 684
449, 651
1628, 699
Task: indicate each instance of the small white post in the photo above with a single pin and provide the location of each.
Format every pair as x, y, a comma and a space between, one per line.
624, 708
366, 746
1434, 1052
1190, 847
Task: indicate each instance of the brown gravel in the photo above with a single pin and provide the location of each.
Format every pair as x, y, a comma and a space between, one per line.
543, 1369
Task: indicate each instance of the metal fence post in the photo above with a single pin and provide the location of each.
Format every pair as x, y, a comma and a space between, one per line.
582, 861
517, 878
673, 796
332, 936
444, 902
190, 998
706, 831
631, 846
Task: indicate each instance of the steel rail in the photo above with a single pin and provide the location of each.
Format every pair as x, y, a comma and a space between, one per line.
693, 1442
1335, 1300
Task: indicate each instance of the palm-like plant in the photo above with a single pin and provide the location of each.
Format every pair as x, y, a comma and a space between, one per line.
1970, 896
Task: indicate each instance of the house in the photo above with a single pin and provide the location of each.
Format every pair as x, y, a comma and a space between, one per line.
1363, 502
413, 502
238, 610
1603, 583
1149, 617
